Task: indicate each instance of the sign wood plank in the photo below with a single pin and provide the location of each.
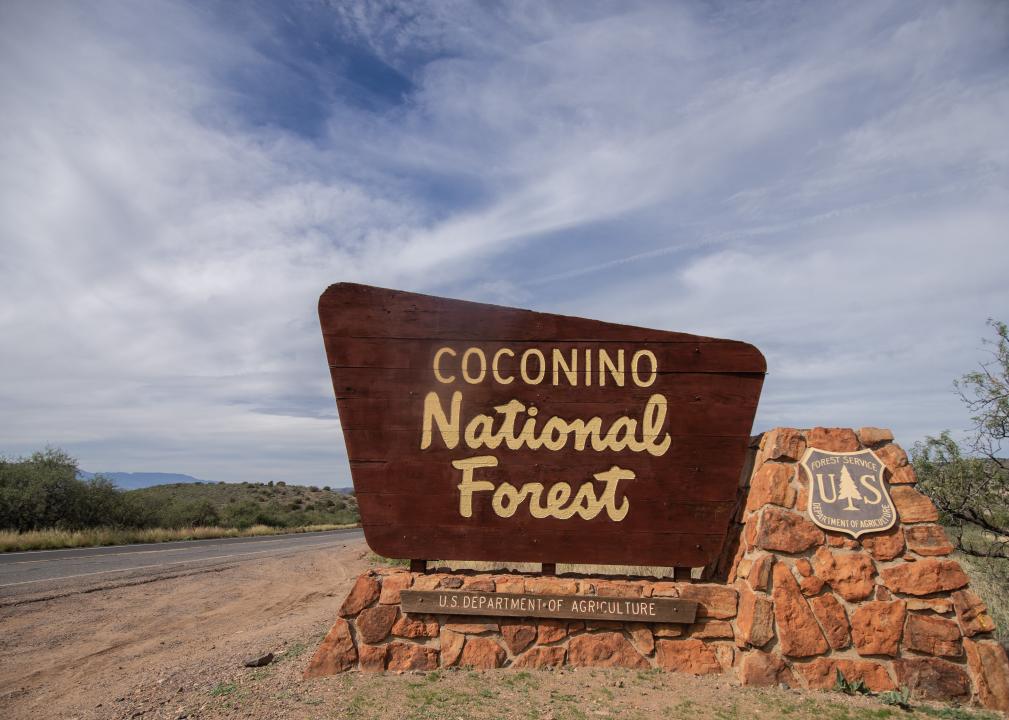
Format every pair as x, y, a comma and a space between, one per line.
478, 432
576, 607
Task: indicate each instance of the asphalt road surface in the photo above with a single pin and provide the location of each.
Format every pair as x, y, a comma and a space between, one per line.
28, 576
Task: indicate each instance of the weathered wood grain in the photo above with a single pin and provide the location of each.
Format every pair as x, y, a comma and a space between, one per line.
381, 345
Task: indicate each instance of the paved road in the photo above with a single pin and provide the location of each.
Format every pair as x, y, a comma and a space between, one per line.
48, 573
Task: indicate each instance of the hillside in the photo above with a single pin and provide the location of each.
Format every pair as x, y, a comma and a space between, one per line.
245, 504
136, 480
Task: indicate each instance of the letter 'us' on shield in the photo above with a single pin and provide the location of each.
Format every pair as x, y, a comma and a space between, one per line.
848, 492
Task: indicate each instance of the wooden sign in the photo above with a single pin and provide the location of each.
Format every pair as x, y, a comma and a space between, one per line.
480, 432
847, 492
577, 607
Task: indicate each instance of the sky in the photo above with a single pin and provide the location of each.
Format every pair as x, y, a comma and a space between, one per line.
180, 181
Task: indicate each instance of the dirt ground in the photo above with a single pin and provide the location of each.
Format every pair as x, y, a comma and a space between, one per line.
174, 649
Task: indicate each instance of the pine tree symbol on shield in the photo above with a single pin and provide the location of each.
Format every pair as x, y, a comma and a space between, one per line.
848, 490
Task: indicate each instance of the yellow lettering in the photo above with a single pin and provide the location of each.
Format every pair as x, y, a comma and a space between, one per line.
606, 365
561, 365
437, 360
494, 369
634, 368
465, 366
523, 370
468, 486
868, 483
433, 412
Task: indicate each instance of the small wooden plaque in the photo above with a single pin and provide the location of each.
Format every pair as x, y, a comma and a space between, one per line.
575, 607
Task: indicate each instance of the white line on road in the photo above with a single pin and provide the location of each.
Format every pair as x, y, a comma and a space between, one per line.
156, 565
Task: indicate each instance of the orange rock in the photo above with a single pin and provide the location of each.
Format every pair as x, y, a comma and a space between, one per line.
990, 668
482, 653
549, 631
810, 583
885, 546
642, 638
425, 582
759, 576
832, 439
608, 649
540, 657
802, 501
869, 436
836, 540
849, 574
509, 584
618, 588
372, 657
784, 531
764, 669
782, 443
971, 613
713, 629
665, 588
373, 624
876, 627
336, 654
771, 485
821, 674
478, 583
940, 606
414, 626
924, 577
551, 586
893, 456
667, 630
714, 601
798, 632
912, 506
833, 620
450, 582
474, 626
928, 540
756, 619
451, 644
903, 476
365, 591
933, 635
933, 679
392, 585
883, 594
692, 656
518, 635
402, 656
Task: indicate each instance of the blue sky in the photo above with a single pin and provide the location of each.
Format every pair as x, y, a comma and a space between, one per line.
179, 182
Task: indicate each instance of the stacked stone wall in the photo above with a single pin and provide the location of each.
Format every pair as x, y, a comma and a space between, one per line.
796, 604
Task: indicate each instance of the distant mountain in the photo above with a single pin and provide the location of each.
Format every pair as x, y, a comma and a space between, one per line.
136, 480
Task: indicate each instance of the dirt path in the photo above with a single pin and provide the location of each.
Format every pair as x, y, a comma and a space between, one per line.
153, 648
173, 650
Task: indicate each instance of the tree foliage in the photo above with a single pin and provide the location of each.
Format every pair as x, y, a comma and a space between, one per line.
45, 491
969, 482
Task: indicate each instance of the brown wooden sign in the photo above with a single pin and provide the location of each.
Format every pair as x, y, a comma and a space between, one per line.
488, 433
847, 491
578, 607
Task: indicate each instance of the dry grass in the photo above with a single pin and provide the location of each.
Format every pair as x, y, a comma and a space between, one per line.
52, 539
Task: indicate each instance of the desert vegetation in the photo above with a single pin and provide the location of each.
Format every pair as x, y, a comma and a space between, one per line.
968, 480
45, 504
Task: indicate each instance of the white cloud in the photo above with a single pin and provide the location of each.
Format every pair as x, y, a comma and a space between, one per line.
830, 184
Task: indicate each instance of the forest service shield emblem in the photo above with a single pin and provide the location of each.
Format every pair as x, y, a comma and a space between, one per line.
847, 492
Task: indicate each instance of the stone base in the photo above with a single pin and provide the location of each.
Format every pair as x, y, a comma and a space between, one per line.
373, 634
794, 604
